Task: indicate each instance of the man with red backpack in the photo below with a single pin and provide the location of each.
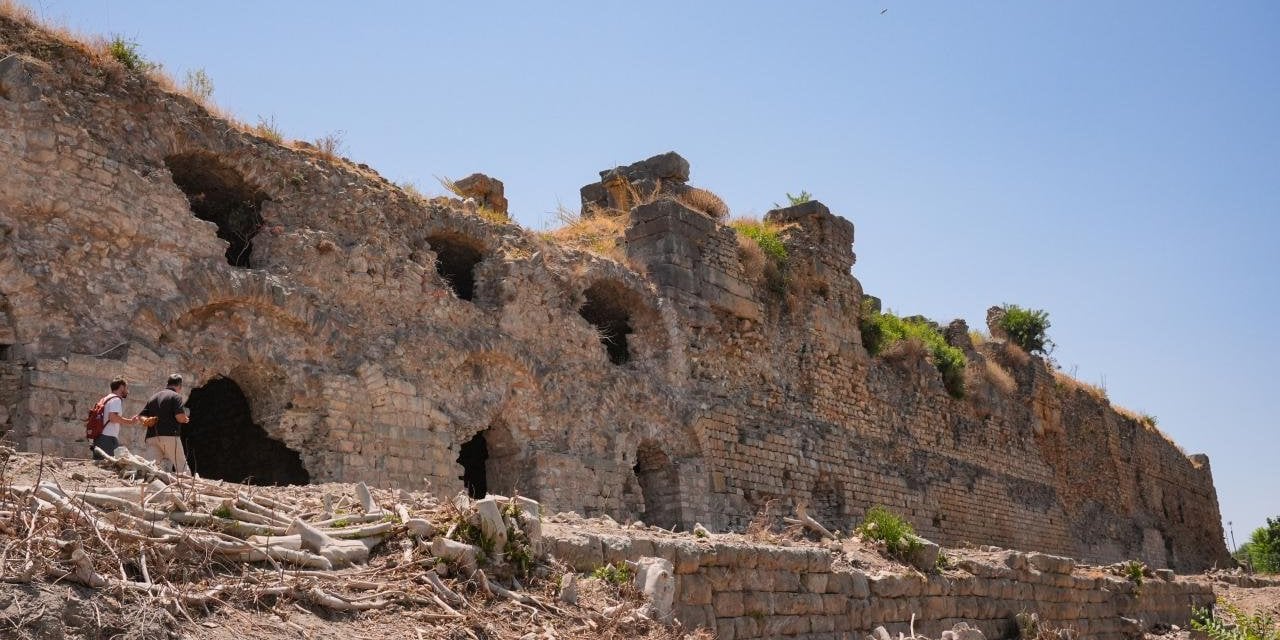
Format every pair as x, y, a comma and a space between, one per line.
102, 428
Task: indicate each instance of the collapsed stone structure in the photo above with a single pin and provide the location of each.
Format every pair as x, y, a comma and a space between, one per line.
334, 328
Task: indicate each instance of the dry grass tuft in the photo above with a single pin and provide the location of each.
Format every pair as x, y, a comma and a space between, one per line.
330, 147
1072, 384
754, 262
1016, 354
704, 201
910, 350
999, 378
600, 233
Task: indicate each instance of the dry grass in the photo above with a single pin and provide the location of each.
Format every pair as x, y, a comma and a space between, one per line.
978, 338
704, 201
754, 262
1072, 384
906, 351
1016, 354
267, 130
600, 234
998, 377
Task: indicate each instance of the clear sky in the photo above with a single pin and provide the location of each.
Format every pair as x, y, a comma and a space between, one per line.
1115, 163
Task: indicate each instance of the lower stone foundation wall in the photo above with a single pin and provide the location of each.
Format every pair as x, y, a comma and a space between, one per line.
741, 589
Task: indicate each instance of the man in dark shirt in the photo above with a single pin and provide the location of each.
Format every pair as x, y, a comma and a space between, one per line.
163, 441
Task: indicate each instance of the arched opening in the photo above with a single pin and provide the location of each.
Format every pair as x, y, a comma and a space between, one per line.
219, 194
456, 260
660, 486
223, 443
489, 463
608, 308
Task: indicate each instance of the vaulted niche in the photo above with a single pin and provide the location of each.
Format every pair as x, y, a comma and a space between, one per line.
609, 307
489, 463
221, 195
456, 260
223, 443
659, 484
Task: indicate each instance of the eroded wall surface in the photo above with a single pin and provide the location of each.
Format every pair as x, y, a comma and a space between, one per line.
380, 337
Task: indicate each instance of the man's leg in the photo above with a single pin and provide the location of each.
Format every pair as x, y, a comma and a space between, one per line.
108, 445
155, 451
179, 456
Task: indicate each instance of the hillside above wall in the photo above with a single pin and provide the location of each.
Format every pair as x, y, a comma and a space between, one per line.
653, 362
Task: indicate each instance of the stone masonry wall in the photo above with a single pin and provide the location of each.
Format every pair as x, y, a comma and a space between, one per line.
745, 590
142, 235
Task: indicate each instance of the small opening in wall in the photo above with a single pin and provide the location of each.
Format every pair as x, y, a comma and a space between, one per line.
221, 195
826, 504
490, 463
659, 484
456, 260
223, 443
608, 308
4, 351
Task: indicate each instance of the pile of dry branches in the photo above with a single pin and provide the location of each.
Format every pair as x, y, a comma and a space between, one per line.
191, 544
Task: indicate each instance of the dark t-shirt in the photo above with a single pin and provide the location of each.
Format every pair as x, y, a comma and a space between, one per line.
165, 404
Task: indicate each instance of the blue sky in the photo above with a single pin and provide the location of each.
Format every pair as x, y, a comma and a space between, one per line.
1117, 164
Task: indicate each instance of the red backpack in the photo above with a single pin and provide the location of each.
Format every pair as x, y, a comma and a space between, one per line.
96, 421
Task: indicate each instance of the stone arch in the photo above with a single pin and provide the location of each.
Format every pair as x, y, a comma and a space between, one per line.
493, 397
659, 485
219, 194
224, 441
612, 308
457, 256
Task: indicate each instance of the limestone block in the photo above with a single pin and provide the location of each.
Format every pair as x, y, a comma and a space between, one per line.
655, 578
693, 588
728, 604
581, 552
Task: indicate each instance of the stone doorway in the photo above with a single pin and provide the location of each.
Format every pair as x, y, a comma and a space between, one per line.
223, 443
660, 486
490, 463
221, 195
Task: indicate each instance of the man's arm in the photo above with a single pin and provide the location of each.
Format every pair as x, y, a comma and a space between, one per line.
120, 420
181, 417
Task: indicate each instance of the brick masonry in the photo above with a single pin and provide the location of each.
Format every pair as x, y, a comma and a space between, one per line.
354, 350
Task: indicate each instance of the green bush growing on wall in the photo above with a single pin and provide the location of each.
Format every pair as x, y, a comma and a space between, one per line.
881, 330
1027, 328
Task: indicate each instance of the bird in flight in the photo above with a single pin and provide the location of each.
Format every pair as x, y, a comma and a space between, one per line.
884, 11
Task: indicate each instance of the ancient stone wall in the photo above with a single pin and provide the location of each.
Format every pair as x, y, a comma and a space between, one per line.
376, 336
746, 590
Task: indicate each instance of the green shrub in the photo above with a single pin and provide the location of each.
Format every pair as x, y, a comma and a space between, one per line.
765, 234
792, 201
126, 53
1133, 570
614, 574
1027, 328
881, 330
888, 527
1263, 547
1237, 626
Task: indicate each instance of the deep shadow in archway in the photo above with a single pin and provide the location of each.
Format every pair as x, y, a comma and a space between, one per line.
223, 443
490, 463
660, 485
456, 260
608, 308
219, 194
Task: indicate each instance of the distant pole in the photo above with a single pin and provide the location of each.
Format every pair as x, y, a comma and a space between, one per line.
1234, 548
